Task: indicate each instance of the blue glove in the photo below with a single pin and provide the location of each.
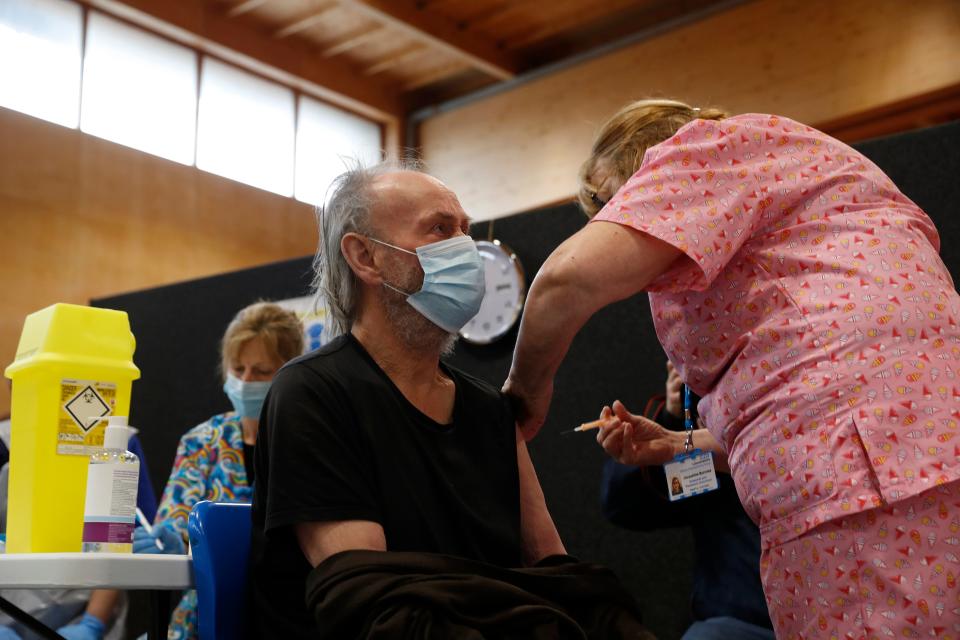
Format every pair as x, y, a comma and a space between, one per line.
6, 633
90, 627
144, 542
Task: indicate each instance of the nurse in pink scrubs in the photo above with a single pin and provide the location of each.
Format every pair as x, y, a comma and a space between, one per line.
801, 294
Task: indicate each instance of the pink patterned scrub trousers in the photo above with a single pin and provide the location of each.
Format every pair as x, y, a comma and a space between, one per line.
890, 572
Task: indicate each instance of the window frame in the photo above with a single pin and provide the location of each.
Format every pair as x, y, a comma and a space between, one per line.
201, 54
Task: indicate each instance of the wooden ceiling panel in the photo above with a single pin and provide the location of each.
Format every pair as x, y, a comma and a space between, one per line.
505, 20
498, 19
274, 14
415, 68
235, 9
386, 44
422, 51
566, 17
398, 59
346, 42
440, 33
419, 78
463, 12
457, 83
631, 18
332, 22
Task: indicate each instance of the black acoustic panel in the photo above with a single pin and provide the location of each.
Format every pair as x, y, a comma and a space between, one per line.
178, 330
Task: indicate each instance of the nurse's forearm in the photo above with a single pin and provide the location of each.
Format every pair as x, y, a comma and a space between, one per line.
103, 603
600, 264
556, 309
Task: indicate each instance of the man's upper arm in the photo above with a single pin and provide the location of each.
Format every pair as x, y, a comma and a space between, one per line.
317, 467
539, 534
320, 540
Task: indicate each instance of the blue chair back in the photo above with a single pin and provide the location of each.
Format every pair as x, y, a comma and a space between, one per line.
220, 543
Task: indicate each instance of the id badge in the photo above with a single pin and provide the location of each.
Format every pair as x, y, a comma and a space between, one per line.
690, 474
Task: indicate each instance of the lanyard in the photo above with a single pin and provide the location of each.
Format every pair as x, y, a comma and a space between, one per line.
691, 472
687, 420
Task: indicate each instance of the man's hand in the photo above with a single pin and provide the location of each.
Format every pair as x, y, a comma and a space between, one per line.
530, 408
635, 440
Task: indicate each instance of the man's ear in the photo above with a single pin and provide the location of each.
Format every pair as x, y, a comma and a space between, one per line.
356, 251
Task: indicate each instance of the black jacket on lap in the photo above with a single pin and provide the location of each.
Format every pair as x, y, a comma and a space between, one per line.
410, 595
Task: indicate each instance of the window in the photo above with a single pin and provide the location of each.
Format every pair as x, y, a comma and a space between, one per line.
40, 43
246, 128
139, 90
328, 139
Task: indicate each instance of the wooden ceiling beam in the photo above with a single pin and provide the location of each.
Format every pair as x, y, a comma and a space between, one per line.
432, 4
396, 58
491, 14
568, 17
206, 27
245, 7
351, 40
433, 75
306, 21
442, 33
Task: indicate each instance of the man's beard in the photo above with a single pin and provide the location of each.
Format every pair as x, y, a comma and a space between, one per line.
412, 327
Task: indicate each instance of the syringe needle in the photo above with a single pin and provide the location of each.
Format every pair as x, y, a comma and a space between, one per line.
586, 426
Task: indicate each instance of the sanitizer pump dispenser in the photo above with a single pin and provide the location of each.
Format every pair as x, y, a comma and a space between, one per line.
110, 510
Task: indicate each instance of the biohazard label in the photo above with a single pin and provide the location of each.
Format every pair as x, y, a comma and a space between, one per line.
84, 407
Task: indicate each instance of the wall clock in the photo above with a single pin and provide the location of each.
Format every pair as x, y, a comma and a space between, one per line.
506, 289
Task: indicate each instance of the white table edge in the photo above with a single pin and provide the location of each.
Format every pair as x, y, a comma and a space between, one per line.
95, 571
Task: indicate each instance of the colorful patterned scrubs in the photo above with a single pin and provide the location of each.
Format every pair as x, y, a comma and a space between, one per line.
816, 319
208, 466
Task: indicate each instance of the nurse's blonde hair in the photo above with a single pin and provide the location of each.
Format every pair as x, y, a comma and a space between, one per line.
279, 329
626, 136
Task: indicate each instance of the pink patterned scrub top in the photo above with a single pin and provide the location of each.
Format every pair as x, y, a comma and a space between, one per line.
814, 316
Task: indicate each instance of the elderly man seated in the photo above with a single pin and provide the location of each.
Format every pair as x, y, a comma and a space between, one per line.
394, 496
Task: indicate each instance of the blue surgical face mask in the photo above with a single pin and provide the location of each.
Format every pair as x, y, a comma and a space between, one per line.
453, 282
246, 397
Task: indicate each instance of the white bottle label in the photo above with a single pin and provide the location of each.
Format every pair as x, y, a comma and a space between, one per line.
109, 515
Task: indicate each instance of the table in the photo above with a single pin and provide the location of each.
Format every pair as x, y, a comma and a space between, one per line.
159, 574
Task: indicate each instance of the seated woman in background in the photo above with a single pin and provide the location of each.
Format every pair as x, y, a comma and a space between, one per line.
215, 459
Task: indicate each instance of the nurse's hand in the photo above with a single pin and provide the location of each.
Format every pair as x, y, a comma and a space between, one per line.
673, 404
529, 407
635, 440
162, 540
89, 628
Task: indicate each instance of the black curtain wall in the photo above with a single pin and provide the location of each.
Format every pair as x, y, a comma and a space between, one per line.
617, 355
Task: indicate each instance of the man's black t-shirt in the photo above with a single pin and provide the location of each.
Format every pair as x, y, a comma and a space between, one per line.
339, 441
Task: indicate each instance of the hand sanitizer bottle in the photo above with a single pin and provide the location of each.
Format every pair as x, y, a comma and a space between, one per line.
109, 513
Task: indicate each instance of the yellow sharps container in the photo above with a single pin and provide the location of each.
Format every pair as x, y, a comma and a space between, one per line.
74, 367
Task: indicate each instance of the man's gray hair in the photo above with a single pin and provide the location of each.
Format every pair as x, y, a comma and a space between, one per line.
346, 211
